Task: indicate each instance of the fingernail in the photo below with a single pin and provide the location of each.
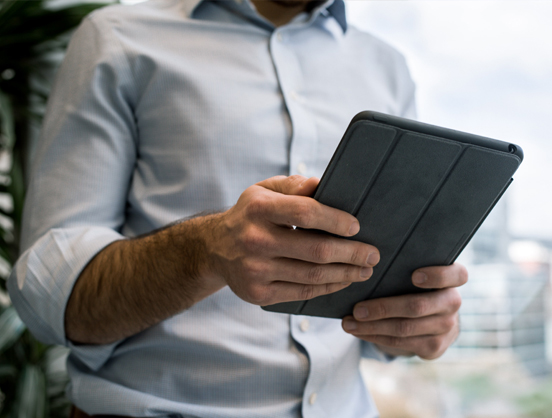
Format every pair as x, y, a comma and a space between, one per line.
361, 313
366, 271
349, 325
373, 259
419, 277
355, 227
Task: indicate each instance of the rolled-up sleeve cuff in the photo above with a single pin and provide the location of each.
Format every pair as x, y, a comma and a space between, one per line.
43, 278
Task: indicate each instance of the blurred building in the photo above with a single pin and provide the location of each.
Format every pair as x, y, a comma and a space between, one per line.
505, 304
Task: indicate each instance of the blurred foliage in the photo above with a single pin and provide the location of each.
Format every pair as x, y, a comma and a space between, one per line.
33, 35
524, 396
475, 387
538, 402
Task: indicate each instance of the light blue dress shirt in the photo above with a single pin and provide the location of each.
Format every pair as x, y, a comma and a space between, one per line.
173, 107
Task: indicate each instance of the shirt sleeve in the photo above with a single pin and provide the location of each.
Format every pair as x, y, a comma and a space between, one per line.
76, 199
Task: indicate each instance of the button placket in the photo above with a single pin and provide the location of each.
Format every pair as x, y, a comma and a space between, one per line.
304, 140
302, 168
320, 361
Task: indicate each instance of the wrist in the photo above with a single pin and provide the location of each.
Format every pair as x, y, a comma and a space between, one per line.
188, 247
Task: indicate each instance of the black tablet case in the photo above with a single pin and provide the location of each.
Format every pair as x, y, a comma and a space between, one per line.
419, 199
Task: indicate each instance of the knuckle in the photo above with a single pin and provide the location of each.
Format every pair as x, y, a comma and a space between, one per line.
254, 241
358, 255
350, 274
379, 310
463, 274
258, 294
338, 226
291, 184
453, 300
295, 179
304, 214
456, 301
331, 288
315, 275
394, 342
322, 251
404, 328
257, 205
449, 323
254, 268
307, 292
432, 348
417, 306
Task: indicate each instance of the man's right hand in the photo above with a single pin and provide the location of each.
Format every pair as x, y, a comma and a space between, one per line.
253, 247
256, 249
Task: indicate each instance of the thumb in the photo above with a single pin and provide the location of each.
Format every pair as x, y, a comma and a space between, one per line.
291, 185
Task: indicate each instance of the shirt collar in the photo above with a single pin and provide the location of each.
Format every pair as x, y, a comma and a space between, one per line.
335, 8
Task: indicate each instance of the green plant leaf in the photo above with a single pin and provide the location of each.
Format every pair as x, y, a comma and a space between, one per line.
10, 10
7, 370
31, 394
41, 25
4, 254
17, 188
11, 328
6, 122
33, 37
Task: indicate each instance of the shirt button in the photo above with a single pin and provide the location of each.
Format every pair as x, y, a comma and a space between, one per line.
301, 168
279, 36
304, 325
297, 97
312, 398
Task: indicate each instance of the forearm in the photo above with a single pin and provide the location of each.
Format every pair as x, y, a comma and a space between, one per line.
133, 284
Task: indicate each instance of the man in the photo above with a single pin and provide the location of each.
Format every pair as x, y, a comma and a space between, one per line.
163, 116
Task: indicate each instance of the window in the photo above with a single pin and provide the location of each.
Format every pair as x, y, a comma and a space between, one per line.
483, 67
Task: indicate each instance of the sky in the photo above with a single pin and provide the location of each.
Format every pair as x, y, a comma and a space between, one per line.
484, 67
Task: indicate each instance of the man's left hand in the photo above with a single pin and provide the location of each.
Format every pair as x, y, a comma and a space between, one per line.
423, 324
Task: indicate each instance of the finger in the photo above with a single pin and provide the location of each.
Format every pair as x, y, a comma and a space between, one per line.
324, 249
294, 291
277, 242
278, 292
402, 327
438, 302
294, 271
275, 200
307, 213
440, 277
291, 185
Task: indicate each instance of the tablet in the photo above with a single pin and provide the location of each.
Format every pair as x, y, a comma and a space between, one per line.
419, 191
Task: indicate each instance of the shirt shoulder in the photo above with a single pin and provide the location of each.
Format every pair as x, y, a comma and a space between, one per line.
148, 13
380, 58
